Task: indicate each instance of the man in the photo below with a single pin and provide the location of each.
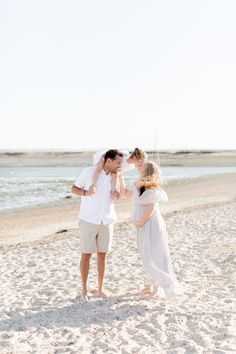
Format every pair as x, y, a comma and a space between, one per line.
97, 216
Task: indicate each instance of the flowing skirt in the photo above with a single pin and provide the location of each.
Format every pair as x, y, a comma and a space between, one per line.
155, 254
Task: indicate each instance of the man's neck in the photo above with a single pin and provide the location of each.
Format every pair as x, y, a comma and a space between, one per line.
106, 170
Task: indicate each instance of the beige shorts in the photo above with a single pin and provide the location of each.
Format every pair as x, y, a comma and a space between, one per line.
95, 238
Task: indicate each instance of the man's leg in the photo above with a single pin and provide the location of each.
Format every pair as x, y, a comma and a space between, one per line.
101, 273
104, 240
101, 270
88, 236
84, 270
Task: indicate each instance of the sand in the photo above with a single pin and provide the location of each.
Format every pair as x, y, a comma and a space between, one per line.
40, 281
37, 222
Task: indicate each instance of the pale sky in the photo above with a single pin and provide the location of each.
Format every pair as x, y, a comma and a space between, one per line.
101, 73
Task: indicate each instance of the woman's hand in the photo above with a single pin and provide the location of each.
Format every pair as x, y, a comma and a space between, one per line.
138, 225
148, 211
139, 183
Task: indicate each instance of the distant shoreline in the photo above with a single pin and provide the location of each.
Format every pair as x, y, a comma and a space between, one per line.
91, 151
84, 158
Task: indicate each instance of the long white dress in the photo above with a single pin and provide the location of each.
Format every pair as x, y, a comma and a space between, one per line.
153, 244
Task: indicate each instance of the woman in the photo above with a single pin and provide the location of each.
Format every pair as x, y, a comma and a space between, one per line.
151, 233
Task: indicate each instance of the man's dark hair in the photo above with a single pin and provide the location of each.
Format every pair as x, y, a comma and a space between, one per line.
111, 154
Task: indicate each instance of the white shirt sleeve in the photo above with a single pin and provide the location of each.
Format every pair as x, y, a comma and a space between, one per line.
82, 179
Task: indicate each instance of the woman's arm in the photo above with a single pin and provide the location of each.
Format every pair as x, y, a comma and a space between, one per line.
148, 211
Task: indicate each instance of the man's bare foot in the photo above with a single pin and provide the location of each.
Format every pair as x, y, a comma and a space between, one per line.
82, 298
146, 290
100, 293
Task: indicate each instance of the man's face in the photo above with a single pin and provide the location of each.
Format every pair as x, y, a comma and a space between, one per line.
115, 165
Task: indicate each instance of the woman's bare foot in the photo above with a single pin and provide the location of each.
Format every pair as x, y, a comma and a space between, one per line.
151, 294
155, 289
100, 293
146, 290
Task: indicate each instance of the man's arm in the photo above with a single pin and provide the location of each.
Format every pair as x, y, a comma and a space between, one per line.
80, 191
78, 187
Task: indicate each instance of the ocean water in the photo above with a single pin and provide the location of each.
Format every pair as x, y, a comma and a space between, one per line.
22, 187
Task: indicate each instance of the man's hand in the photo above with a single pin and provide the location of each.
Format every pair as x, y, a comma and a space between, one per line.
115, 195
92, 190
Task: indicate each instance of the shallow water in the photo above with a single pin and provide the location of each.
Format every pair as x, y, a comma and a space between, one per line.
26, 186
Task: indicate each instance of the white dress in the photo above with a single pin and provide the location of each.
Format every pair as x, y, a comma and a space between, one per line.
153, 244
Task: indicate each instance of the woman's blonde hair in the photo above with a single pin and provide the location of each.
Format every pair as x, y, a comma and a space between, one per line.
152, 175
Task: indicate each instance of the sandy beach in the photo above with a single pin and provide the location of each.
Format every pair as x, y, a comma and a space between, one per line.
97, 96
40, 280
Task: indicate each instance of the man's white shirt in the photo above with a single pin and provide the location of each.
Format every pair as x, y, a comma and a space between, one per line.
99, 207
